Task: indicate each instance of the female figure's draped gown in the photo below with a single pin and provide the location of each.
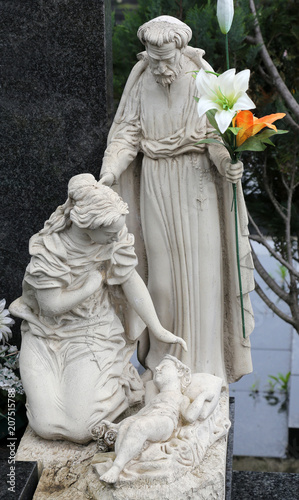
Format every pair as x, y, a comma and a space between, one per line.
75, 366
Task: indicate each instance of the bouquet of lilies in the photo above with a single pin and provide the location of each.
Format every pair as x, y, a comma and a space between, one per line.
226, 104
224, 100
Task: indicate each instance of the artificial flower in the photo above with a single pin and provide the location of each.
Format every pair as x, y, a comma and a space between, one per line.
225, 14
110, 437
249, 125
226, 93
5, 322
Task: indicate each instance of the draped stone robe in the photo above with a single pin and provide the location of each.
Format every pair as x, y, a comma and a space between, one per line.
184, 203
75, 366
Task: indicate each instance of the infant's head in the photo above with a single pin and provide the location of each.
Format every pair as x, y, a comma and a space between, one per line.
183, 372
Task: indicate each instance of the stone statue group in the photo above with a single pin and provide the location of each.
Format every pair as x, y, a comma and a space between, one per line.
86, 309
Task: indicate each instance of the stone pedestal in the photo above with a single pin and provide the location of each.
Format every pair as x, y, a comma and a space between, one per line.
69, 471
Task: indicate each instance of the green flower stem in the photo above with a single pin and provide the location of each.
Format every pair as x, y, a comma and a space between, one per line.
234, 158
238, 258
226, 51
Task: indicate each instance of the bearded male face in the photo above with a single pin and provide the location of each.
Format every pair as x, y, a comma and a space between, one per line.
165, 62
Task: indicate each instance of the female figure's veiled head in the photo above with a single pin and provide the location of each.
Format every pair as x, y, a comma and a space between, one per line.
90, 205
93, 204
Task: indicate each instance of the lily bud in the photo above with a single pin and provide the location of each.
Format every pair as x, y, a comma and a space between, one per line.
225, 14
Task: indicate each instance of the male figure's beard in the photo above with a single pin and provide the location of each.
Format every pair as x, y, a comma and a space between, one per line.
171, 75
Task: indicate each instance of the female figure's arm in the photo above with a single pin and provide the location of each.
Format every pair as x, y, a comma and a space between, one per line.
139, 298
55, 301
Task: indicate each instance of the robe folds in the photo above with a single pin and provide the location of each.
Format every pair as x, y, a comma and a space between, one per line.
75, 366
180, 212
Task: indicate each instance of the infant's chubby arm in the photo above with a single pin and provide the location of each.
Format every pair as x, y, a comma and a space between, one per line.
197, 409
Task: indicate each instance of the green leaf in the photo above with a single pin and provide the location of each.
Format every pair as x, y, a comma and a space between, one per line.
259, 141
214, 132
268, 133
267, 141
251, 144
196, 98
234, 130
209, 141
212, 73
211, 117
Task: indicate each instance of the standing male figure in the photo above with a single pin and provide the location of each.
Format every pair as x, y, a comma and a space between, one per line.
185, 205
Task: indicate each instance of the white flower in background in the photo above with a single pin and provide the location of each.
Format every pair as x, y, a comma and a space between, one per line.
225, 14
9, 364
226, 93
5, 322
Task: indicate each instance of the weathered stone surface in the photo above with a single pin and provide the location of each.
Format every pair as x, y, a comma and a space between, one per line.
47, 453
56, 82
80, 481
69, 472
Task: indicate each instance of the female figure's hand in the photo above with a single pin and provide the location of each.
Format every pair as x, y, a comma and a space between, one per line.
169, 338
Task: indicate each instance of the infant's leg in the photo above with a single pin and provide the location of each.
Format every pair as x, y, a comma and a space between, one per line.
153, 429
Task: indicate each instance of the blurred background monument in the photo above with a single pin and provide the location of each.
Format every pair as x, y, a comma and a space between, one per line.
56, 102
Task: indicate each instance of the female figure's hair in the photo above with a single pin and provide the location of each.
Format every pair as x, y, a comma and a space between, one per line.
165, 29
89, 206
183, 371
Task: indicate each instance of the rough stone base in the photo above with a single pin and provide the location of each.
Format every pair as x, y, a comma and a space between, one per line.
52, 453
68, 472
80, 481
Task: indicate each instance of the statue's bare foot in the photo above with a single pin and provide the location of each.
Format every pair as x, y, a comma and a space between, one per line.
112, 475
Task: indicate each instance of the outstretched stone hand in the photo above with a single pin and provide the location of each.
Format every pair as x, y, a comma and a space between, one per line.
169, 338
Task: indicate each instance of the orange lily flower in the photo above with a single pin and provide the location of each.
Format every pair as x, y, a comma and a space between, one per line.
250, 125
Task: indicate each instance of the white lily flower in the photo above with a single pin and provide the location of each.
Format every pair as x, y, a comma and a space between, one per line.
225, 14
5, 322
226, 93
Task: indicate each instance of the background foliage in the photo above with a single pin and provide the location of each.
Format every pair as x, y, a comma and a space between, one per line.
279, 24
270, 178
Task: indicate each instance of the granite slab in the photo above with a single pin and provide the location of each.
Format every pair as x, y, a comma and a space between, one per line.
229, 451
56, 106
265, 486
18, 482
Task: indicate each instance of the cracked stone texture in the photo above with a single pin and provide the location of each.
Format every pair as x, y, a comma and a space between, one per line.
80, 481
56, 102
67, 473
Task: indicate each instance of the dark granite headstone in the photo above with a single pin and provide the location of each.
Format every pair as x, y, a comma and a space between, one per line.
56, 105
230, 451
18, 481
265, 486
